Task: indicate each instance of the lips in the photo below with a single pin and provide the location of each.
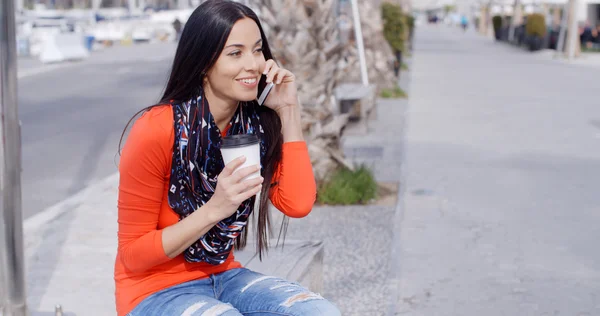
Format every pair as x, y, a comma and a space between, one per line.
248, 82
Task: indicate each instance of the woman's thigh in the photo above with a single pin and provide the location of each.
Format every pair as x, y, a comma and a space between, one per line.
189, 299
255, 294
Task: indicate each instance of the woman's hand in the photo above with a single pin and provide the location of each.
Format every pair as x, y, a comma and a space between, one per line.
284, 93
232, 190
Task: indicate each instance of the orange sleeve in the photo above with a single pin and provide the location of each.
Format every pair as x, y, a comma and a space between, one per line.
142, 169
295, 190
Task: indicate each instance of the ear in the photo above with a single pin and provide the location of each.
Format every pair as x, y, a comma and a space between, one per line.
204, 78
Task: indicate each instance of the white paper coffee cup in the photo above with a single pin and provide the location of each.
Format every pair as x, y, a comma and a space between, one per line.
235, 146
247, 145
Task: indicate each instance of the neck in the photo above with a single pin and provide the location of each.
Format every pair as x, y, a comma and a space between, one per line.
221, 109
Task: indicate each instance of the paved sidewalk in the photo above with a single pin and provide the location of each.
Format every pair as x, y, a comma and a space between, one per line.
70, 252
501, 197
71, 247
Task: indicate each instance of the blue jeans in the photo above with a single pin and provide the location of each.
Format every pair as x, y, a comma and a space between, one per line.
233, 293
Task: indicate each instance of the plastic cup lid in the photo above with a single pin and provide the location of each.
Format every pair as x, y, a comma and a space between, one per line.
240, 140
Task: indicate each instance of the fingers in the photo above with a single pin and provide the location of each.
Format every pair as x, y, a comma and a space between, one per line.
234, 164
282, 75
276, 74
249, 193
244, 172
272, 72
238, 193
268, 65
246, 185
231, 189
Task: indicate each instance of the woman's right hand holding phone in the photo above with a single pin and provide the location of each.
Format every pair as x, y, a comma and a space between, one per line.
232, 189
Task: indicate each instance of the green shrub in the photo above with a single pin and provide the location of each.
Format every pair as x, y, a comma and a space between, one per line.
497, 22
394, 25
536, 25
396, 92
346, 187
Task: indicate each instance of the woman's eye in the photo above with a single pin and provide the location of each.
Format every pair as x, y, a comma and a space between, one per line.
258, 50
235, 53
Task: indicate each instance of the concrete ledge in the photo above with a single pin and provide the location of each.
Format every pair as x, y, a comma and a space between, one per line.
296, 260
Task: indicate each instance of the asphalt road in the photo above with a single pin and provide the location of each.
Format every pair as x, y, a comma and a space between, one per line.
73, 115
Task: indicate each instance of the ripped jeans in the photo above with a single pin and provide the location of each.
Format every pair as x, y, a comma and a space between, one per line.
233, 293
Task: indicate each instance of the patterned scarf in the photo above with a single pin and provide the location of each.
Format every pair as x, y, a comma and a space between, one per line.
197, 162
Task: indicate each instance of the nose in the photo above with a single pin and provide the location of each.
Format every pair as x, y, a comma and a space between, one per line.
251, 63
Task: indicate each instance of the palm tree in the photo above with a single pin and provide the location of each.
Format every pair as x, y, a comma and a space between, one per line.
308, 37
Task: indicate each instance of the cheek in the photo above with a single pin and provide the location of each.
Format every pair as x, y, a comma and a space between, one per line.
261, 64
233, 69
229, 71
222, 76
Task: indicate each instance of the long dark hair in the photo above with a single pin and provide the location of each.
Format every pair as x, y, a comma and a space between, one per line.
200, 45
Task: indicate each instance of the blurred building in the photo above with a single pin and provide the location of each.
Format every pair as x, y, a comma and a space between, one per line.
588, 11
83, 4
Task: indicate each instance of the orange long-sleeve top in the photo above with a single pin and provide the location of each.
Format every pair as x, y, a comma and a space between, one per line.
141, 266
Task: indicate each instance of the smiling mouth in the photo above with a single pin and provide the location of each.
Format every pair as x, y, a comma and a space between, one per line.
250, 81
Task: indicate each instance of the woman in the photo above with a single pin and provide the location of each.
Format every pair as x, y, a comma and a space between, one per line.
177, 223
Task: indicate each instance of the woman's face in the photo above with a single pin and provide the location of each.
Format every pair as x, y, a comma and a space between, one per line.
235, 75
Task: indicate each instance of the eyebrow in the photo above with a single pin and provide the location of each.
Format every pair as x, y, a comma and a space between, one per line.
242, 45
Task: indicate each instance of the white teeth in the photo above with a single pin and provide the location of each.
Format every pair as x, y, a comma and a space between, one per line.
248, 81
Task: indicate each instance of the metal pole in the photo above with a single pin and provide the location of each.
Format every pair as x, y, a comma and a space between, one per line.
560, 44
573, 32
359, 43
11, 219
513, 23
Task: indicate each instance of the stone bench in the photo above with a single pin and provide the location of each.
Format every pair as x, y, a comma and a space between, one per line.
356, 99
297, 261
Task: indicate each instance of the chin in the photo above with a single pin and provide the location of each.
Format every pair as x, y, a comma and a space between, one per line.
247, 96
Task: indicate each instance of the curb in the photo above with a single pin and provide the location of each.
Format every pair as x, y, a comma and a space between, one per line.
44, 68
395, 276
37, 221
